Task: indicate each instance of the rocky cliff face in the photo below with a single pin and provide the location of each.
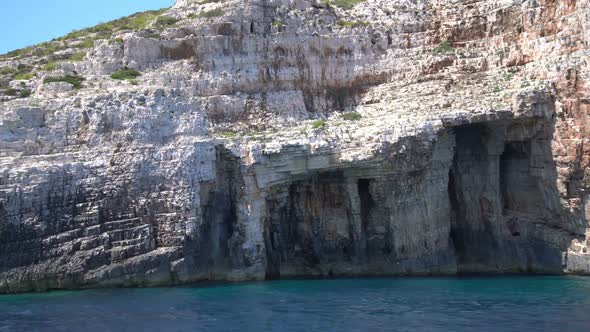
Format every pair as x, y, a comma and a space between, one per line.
284, 138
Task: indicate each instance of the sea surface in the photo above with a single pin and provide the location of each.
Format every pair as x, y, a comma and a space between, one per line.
396, 304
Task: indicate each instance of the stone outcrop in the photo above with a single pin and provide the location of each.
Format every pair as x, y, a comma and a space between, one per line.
282, 138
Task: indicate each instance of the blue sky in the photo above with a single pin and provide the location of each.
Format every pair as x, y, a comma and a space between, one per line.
28, 22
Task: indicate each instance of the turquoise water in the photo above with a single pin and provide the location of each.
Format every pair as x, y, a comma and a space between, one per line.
412, 304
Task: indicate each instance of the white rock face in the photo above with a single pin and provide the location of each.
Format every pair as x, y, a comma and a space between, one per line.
283, 138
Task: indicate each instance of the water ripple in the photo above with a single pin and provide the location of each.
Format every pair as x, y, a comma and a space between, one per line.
413, 304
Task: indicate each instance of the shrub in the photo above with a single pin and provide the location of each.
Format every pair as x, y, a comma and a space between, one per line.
444, 47
211, 13
318, 124
25, 93
125, 74
154, 35
278, 24
228, 133
74, 80
344, 4
21, 67
351, 24
166, 21
11, 92
352, 116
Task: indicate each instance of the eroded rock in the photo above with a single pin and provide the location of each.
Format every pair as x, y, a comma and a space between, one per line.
285, 138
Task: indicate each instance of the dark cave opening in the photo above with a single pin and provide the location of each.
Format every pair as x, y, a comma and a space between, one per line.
501, 217
365, 199
470, 183
518, 188
219, 211
316, 224
454, 203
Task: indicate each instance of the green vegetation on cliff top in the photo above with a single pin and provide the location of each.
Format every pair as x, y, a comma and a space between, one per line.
136, 21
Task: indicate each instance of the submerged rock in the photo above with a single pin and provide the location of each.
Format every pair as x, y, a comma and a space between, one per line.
244, 140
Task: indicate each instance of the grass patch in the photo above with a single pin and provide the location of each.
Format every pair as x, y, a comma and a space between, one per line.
212, 13
352, 116
444, 47
24, 76
23, 72
74, 80
7, 71
125, 74
78, 56
86, 43
351, 24
229, 133
50, 66
319, 124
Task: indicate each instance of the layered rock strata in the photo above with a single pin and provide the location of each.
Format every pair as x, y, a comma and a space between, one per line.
280, 138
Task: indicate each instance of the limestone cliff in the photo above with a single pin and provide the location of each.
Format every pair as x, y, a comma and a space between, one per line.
262, 139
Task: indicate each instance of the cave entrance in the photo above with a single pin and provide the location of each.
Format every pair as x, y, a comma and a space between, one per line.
317, 225
472, 186
219, 211
497, 196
